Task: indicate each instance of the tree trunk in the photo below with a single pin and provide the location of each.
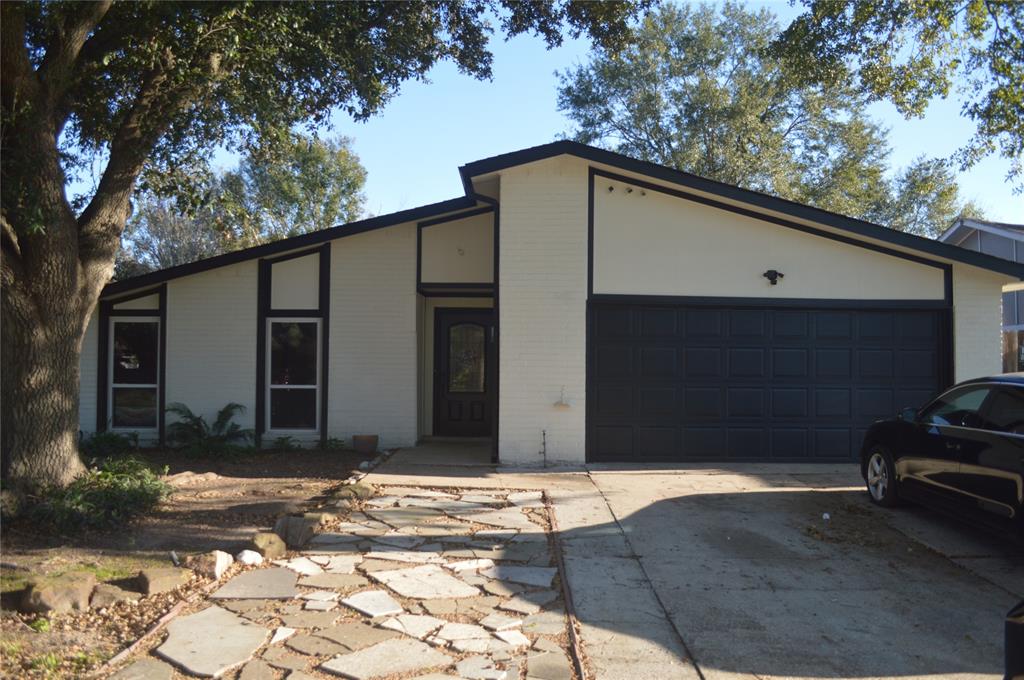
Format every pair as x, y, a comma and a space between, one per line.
39, 354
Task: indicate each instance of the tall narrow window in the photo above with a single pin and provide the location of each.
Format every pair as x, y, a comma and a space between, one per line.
466, 350
134, 372
294, 374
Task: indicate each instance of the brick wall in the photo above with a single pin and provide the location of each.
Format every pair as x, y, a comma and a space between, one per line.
977, 320
373, 387
542, 307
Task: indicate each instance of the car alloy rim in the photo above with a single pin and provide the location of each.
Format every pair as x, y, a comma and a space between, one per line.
878, 476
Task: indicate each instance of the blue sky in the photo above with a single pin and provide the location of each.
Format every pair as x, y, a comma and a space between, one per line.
413, 148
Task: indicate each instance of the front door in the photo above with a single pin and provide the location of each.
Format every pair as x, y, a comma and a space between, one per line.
463, 372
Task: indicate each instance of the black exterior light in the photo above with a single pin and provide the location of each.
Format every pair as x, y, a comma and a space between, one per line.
773, 276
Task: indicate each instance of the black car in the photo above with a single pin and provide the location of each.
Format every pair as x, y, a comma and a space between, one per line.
962, 452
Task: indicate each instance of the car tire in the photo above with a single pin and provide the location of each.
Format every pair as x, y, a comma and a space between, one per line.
880, 476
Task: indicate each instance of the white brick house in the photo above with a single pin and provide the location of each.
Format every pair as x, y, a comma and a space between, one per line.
575, 300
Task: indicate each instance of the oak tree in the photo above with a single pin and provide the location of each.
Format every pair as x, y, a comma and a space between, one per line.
148, 85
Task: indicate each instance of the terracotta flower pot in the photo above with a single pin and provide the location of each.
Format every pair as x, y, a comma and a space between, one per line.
365, 444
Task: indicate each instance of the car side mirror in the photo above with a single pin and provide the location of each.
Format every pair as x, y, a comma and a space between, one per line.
908, 414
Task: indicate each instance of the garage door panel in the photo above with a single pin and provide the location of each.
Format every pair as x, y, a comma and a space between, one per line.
747, 362
790, 363
659, 323
658, 443
657, 401
747, 324
703, 362
746, 402
687, 382
833, 403
659, 363
615, 400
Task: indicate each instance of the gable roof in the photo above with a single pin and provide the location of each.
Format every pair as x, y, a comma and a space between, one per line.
734, 193
1004, 229
565, 147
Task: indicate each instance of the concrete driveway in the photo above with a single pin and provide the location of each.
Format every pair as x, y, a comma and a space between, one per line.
716, 573
738, 571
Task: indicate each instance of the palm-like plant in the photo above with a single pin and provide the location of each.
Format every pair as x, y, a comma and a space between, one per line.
193, 433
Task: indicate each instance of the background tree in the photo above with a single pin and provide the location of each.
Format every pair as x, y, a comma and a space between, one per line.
699, 90
306, 185
148, 86
912, 52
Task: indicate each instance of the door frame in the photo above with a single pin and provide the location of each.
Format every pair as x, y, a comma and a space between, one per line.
490, 367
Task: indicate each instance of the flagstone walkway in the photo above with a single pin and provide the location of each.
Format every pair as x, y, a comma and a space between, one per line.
420, 584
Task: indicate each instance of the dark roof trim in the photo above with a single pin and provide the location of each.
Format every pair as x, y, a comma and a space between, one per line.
755, 198
293, 243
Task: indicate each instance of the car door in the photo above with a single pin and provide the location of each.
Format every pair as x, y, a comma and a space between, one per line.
992, 468
945, 429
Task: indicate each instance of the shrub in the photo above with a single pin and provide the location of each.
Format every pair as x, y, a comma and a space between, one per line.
192, 434
110, 444
333, 444
286, 444
106, 496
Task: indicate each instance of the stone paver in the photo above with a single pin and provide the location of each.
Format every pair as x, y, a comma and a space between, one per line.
330, 580
534, 576
498, 621
416, 625
211, 641
513, 638
309, 619
373, 603
314, 645
544, 623
480, 668
425, 582
549, 666
301, 565
278, 657
391, 657
461, 631
320, 605
267, 584
320, 596
354, 635
144, 669
506, 518
281, 634
257, 669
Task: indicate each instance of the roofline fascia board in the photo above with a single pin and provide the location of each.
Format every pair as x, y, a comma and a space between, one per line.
754, 198
293, 243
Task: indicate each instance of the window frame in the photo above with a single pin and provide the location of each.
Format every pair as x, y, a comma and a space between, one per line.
318, 372
483, 358
111, 385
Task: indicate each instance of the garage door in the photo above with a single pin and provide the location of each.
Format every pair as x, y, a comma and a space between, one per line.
694, 382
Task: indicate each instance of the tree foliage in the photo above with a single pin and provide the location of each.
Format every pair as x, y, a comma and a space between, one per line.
306, 185
912, 51
699, 90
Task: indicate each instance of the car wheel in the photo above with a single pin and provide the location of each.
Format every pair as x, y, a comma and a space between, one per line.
880, 474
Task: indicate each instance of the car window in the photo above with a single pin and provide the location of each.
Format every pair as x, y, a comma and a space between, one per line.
958, 407
1005, 411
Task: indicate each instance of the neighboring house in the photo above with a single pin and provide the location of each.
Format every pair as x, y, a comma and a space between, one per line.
1005, 241
574, 301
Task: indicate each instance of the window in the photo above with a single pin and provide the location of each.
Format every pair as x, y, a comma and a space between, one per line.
958, 408
293, 368
1005, 411
466, 358
134, 372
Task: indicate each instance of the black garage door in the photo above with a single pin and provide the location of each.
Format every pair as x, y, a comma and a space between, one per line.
694, 382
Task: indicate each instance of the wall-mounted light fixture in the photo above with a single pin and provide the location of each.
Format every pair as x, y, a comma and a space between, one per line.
773, 276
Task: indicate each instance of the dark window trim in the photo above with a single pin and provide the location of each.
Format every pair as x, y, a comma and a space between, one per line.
427, 293
754, 198
106, 311
455, 218
264, 312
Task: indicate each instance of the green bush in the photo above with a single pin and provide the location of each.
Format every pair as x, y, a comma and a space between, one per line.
107, 496
286, 444
109, 444
332, 444
193, 435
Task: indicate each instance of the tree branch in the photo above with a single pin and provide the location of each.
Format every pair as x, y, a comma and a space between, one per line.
19, 79
55, 73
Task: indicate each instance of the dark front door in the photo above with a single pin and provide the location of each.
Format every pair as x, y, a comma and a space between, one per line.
463, 372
